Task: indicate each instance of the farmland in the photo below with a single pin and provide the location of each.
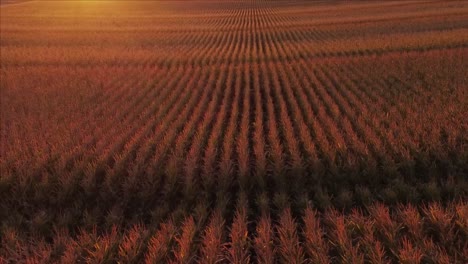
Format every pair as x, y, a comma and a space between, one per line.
234, 132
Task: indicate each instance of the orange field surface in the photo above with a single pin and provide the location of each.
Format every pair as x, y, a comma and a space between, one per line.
234, 132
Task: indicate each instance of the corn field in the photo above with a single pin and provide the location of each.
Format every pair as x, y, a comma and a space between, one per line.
234, 132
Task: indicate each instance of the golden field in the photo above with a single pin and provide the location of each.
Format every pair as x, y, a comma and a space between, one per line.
234, 132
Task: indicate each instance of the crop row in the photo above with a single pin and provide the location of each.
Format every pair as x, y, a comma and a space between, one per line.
201, 131
406, 234
285, 130
261, 33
